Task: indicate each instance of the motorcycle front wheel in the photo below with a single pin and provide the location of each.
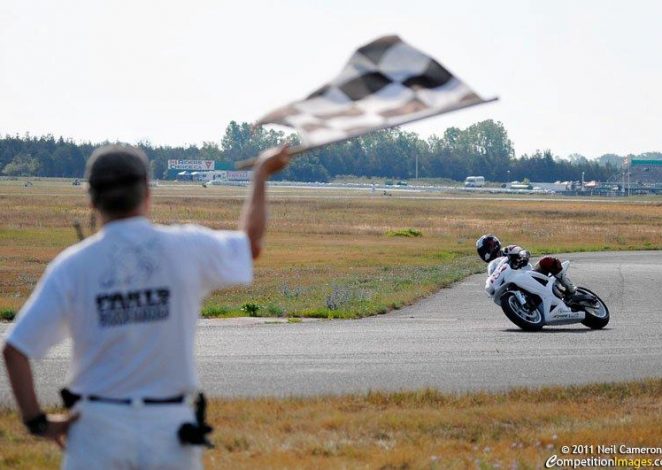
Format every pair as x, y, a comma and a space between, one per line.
596, 317
526, 317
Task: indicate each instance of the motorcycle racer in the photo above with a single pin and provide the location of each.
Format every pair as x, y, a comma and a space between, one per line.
489, 250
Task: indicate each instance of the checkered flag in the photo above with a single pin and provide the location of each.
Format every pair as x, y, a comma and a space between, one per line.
385, 83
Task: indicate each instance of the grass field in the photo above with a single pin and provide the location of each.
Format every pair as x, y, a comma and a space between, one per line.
332, 253
519, 429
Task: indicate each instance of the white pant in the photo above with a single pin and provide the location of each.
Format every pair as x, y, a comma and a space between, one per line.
110, 436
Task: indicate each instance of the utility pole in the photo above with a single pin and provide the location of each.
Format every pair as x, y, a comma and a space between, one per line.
626, 172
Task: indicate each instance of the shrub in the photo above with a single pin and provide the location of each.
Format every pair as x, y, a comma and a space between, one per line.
275, 310
342, 295
251, 309
291, 292
7, 314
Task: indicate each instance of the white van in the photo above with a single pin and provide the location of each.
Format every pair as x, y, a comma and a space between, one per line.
474, 182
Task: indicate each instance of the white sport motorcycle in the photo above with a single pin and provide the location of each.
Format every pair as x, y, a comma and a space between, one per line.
532, 300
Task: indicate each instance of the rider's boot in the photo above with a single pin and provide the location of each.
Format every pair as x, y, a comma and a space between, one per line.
571, 293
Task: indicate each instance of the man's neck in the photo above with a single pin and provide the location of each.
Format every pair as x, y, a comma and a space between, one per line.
106, 218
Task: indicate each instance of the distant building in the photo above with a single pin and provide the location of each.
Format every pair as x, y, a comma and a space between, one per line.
205, 170
644, 172
639, 176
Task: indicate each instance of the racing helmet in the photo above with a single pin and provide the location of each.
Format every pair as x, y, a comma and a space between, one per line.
488, 248
518, 257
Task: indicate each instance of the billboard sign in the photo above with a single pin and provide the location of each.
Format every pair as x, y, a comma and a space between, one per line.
194, 165
239, 175
635, 162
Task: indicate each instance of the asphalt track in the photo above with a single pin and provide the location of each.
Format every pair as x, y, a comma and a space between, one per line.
455, 340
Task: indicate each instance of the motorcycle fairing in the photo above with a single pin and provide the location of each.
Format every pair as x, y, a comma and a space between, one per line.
554, 309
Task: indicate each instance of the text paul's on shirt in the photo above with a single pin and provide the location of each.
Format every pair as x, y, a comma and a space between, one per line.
137, 306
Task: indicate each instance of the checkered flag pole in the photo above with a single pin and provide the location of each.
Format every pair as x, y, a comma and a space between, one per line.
385, 83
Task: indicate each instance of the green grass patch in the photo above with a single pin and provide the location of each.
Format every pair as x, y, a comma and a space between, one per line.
220, 311
405, 232
387, 288
38, 238
249, 309
7, 314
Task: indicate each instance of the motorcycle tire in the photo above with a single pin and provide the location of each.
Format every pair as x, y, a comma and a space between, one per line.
511, 306
595, 322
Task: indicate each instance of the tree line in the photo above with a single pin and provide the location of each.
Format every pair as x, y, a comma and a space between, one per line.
483, 148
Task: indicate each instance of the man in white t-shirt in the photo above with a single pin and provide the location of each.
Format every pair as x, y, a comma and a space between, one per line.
129, 298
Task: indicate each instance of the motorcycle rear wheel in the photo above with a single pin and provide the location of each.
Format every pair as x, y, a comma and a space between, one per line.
521, 315
598, 317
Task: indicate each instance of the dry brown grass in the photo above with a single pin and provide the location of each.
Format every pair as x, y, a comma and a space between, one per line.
321, 240
318, 239
414, 430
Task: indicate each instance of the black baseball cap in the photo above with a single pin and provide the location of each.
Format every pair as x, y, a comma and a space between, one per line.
116, 165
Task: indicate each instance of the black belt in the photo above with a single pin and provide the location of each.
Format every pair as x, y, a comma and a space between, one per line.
70, 399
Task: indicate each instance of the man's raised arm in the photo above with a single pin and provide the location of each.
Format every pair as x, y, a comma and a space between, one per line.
253, 218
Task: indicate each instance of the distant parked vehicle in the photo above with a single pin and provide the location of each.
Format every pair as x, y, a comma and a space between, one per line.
474, 182
518, 185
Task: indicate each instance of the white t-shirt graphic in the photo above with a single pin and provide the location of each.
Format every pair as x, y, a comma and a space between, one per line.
130, 297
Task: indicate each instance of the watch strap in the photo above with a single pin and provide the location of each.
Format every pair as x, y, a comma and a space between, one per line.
37, 426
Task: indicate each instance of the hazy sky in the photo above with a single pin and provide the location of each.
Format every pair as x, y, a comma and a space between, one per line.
573, 76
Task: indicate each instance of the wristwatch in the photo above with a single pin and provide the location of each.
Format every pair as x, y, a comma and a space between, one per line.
37, 426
